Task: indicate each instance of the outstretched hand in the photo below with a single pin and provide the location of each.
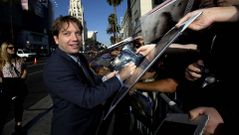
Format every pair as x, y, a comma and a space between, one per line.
202, 22
144, 50
214, 118
209, 16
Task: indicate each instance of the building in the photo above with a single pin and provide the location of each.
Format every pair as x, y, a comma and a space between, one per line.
11, 20
131, 22
26, 23
92, 35
135, 24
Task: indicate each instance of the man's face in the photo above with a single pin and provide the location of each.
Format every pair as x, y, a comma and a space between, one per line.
69, 38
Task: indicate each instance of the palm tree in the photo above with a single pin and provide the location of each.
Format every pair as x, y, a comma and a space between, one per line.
113, 27
115, 3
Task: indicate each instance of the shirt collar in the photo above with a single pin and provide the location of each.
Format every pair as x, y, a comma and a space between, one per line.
74, 57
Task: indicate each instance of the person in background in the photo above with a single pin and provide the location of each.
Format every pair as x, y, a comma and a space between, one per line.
13, 67
78, 94
222, 110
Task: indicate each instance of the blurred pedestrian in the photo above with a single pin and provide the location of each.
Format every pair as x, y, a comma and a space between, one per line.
14, 90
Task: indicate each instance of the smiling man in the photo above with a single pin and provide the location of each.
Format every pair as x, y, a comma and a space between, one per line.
78, 95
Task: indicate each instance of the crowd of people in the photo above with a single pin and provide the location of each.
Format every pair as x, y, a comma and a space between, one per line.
222, 114
203, 85
203, 90
77, 101
82, 96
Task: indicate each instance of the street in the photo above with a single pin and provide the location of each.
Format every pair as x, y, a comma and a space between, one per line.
35, 83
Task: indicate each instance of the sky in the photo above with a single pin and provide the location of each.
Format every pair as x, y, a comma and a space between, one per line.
96, 15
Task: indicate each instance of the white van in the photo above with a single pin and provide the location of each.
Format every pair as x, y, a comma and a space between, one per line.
25, 53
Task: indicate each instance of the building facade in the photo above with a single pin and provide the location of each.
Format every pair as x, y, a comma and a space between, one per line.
131, 22
26, 23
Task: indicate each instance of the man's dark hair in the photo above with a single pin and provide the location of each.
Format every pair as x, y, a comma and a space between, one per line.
60, 21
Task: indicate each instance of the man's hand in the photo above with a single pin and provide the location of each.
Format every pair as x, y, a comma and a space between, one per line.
209, 16
202, 22
144, 50
109, 75
194, 71
127, 71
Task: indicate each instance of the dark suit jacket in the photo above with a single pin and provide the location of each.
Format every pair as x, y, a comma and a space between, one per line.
77, 102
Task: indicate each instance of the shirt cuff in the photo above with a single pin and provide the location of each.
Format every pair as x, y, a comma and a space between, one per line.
104, 78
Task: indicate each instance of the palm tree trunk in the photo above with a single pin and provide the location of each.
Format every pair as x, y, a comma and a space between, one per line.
115, 27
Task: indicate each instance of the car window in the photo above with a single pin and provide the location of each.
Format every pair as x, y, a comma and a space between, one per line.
20, 52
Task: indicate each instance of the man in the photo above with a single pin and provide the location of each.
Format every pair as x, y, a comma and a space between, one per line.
78, 94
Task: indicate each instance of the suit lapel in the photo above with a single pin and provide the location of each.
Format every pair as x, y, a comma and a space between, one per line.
75, 66
85, 69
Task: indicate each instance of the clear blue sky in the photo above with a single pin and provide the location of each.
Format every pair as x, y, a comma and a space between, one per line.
96, 15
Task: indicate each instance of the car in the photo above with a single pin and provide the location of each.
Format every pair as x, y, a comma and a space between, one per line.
25, 53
